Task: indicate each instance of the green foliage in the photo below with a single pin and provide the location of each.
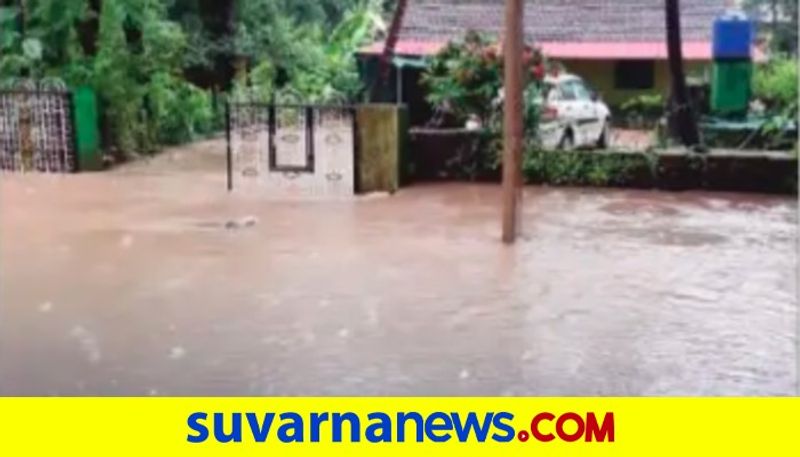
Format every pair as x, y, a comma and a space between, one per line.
649, 106
136, 69
779, 22
139, 56
12, 59
146, 103
582, 168
299, 53
180, 110
775, 83
465, 78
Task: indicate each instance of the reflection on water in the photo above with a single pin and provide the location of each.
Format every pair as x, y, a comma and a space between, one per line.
134, 283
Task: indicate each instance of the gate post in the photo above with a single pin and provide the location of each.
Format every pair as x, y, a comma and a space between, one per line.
381, 132
85, 127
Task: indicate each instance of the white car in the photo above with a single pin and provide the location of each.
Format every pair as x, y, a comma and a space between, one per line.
572, 116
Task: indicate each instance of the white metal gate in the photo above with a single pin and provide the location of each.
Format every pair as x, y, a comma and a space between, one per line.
292, 150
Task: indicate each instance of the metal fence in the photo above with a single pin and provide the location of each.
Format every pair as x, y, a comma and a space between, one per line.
36, 132
301, 149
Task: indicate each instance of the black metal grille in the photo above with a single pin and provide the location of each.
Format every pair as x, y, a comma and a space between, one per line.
36, 129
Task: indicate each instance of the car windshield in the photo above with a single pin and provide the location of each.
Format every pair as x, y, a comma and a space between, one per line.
581, 92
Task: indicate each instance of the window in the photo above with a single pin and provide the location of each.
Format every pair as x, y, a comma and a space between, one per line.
635, 75
567, 91
581, 92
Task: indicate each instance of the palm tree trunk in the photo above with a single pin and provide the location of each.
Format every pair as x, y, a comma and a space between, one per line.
392, 38
385, 62
682, 113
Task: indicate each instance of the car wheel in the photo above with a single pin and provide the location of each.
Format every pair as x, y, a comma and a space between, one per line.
568, 142
605, 137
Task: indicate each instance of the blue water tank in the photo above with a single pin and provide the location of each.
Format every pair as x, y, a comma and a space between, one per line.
733, 38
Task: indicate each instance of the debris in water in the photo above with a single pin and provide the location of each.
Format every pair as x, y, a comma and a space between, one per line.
344, 333
249, 221
463, 375
46, 307
245, 222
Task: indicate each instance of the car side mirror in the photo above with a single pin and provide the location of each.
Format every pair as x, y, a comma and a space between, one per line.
595, 96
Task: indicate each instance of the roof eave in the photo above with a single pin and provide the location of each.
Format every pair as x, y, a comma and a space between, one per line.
652, 50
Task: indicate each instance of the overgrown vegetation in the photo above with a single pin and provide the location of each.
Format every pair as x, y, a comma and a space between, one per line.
160, 68
582, 168
643, 111
778, 23
464, 83
304, 49
775, 84
466, 77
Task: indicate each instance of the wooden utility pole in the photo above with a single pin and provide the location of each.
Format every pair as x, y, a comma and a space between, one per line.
512, 126
682, 115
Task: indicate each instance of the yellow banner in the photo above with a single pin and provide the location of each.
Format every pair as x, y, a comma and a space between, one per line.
399, 427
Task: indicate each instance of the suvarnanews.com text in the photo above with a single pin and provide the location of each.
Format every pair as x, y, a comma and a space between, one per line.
400, 427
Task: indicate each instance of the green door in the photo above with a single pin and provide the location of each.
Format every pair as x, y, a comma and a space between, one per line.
87, 132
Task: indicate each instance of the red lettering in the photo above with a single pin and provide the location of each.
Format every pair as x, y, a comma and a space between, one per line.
544, 438
578, 434
600, 433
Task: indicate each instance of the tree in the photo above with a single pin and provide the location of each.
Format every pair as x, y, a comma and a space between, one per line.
683, 115
779, 19
151, 61
391, 39
287, 51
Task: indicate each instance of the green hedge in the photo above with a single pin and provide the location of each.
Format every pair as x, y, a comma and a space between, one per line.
588, 168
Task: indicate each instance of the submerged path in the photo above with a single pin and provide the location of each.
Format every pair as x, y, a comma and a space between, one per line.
151, 280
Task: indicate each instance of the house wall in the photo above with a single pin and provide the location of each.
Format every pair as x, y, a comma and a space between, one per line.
600, 75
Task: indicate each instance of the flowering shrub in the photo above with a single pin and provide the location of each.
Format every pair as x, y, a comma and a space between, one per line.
466, 77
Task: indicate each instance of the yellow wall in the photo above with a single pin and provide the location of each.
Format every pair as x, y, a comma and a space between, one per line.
599, 74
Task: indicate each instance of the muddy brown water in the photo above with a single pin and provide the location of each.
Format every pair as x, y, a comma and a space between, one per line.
136, 282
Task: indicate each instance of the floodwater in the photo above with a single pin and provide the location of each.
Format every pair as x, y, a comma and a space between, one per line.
152, 280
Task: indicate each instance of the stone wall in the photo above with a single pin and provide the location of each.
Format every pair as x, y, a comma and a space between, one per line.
456, 156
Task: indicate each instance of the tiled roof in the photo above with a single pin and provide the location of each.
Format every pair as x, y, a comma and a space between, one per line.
559, 20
